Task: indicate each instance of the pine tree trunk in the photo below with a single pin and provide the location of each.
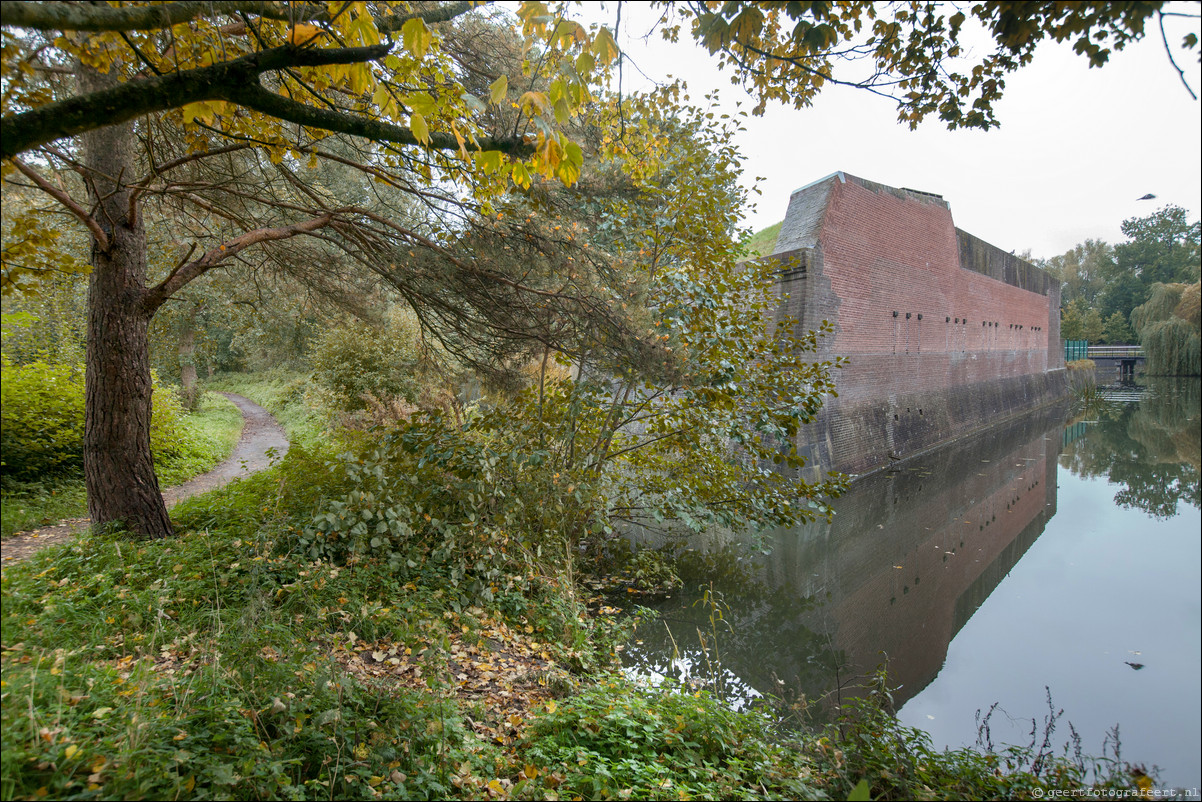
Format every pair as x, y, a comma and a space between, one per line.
118, 465
187, 358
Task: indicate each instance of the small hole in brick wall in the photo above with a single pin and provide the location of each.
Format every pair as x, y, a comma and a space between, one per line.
895, 313
907, 315
920, 315
948, 319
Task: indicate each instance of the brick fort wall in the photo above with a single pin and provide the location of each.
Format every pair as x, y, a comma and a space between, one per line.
943, 333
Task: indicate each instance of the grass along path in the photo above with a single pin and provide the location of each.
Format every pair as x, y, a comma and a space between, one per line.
261, 440
204, 439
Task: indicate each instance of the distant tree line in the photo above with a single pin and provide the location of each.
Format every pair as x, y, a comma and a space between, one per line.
1145, 290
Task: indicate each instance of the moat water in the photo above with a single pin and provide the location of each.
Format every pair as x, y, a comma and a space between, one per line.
1038, 558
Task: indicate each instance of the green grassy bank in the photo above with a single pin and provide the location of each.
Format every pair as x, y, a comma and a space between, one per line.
296, 641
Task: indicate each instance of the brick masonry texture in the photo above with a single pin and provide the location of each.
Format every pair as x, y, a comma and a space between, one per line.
943, 332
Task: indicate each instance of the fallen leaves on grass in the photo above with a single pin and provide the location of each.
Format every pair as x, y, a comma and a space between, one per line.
498, 674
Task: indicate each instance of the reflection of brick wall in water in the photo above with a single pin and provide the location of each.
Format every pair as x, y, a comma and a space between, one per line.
994, 490
909, 602
944, 333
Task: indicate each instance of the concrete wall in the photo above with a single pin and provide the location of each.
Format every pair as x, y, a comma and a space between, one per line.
943, 332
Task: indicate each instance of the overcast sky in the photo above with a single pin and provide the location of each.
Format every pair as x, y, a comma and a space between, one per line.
1075, 149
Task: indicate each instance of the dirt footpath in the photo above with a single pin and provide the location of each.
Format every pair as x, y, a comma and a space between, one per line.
260, 434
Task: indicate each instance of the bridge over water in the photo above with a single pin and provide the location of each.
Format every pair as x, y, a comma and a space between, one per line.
1114, 363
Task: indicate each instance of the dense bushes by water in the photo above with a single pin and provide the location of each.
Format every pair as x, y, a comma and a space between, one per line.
352, 364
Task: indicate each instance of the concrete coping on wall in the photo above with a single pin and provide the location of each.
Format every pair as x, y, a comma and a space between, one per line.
837, 174
792, 264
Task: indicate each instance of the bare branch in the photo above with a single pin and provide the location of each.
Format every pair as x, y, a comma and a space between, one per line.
1160, 15
191, 157
102, 240
76, 17
184, 273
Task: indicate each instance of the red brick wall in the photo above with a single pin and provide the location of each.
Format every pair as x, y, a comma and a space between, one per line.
926, 338
883, 254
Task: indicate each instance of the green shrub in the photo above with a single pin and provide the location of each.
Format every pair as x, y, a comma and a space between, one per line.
43, 421
353, 363
424, 505
42, 429
616, 741
167, 429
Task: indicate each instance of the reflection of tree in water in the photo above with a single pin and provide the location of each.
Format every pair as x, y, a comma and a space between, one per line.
1151, 449
763, 635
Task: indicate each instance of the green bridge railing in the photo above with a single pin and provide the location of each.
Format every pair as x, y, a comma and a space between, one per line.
1081, 349
1076, 349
